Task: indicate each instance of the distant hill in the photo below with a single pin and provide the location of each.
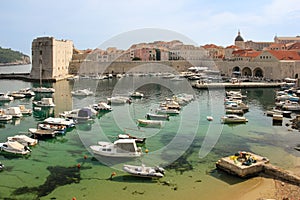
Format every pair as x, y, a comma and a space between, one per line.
11, 57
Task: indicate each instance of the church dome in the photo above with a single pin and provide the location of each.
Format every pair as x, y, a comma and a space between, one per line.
239, 37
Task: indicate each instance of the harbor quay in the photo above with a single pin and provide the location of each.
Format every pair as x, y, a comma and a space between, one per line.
240, 85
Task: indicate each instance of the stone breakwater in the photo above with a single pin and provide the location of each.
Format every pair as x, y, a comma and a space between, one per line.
246, 164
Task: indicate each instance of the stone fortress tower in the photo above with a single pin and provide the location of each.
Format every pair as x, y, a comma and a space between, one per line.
50, 58
239, 41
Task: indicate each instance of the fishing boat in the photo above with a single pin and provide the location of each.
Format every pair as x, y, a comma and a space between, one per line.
44, 102
82, 93
152, 116
150, 123
14, 148
128, 136
143, 171
23, 139
60, 129
122, 148
165, 110
40, 133
228, 119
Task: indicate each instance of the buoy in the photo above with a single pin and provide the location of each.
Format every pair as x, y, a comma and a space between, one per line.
146, 150
74, 198
85, 157
113, 173
78, 165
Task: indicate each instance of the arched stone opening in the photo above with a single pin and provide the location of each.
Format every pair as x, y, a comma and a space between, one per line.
246, 72
258, 72
236, 71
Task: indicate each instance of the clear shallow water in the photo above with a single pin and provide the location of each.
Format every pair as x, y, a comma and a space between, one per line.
51, 170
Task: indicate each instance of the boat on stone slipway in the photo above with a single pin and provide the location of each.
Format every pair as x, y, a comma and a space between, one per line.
143, 171
122, 148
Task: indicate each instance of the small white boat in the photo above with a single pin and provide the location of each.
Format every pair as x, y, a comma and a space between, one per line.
80, 115
128, 136
150, 123
27, 92
25, 111
234, 111
291, 105
170, 104
152, 116
61, 129
14, 148
15, 112
39, 133
137, 94
118, 100
17, 95
124, 148
209, 118
165, 110
43, 90
4, 97
45, 102
4, 117
69, 123
143, 171
102, 106
228, 119
23, 139
82, 93
1, 166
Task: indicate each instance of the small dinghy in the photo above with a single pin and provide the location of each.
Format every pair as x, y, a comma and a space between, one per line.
143, 171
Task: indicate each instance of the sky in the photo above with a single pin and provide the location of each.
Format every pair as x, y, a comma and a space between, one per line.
91, 23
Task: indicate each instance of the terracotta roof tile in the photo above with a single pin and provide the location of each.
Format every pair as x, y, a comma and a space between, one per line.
285, 55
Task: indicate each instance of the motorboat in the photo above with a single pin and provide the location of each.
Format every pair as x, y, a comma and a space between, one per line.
183, 99
125, 148
228, 119
60, 129
118, 100
143, 171
170, 104
17, 95
43, 90
25, 111
44, 102
234, 111
165, 110
150, 123
101, 106
69, 123
128, 136
27, 92
291, 105
5, 97
40, 133
4, 117
14, 148
209, 118
82, 93
15, 112
80, 115
23, 139
1, 166
137, 94
152, 116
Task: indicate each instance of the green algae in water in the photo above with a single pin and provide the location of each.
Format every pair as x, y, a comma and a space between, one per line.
59, 176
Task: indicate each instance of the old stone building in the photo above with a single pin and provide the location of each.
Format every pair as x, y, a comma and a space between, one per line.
50, 58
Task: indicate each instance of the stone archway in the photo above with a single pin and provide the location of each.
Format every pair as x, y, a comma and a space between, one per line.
258, 72
296, 76
246, 72
236, 71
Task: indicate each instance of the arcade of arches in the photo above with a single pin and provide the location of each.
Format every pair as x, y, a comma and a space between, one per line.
246, 71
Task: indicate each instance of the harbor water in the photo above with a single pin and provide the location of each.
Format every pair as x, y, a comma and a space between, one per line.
187, 146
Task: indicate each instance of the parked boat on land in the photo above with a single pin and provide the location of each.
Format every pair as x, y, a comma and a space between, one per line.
23, 139
14, 148
122, 148
228, 119
143, 171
